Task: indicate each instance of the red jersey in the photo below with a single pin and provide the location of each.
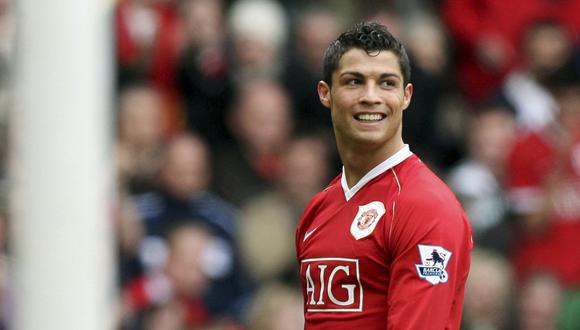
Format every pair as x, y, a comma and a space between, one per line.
535, 165
392, 252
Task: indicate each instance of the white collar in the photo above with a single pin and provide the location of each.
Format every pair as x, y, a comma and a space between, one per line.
390, 162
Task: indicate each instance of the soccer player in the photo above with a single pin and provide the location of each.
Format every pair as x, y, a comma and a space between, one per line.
386, 245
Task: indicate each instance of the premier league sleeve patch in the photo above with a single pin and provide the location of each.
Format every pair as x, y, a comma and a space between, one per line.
434, 261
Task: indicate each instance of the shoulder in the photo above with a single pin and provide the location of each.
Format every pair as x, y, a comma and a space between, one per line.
421, 188
425, 200
427, 212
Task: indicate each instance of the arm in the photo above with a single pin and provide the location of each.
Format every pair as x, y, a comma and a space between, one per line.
420, 296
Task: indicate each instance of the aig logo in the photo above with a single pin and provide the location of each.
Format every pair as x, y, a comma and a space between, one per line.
332, 285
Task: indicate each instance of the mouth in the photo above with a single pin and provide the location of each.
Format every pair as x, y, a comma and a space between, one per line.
369, 117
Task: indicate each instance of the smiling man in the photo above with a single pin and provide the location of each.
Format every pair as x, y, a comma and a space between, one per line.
386, 245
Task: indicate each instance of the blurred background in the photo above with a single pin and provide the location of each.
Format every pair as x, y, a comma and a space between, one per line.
219, 141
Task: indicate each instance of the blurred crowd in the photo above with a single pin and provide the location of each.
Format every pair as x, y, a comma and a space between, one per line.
221, 141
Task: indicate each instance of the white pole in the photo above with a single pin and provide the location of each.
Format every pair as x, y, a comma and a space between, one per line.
62, 240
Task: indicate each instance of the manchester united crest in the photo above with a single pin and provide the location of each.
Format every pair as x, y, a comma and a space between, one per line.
366, 219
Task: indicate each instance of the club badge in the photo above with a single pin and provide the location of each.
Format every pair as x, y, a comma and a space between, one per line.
434, 261
366, 219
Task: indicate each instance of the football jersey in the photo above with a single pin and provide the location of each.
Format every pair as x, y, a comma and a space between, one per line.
392, 252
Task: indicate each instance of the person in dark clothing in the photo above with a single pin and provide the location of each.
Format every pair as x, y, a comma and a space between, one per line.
182, 197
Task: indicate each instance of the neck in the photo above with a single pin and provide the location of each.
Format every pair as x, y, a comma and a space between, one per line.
358, 161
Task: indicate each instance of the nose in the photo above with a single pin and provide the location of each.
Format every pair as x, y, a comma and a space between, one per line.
370, 94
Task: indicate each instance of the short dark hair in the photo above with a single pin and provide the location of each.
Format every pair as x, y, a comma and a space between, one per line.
370, 37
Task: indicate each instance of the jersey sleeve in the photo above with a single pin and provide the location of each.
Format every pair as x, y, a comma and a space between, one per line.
430, 243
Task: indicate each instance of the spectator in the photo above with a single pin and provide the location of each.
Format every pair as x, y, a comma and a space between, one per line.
427, 46
261, 125
478, 179
488, 292
388, 15
546, 46
539, 303
486, 34
140, 137
269, 217
314, 29
276, 307
171, 297
164, 317
182, 195
203, 70
148, 39
544, 188
258, 30
129, 234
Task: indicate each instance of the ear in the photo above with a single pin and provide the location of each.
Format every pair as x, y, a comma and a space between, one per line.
324, 93
408, 94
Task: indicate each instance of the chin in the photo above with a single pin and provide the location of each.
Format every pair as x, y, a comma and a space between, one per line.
369, 139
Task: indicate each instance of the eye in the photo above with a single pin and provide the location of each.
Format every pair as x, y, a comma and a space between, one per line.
353, 82
388, 83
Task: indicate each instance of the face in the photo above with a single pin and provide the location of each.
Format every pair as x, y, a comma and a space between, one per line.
568, 100
140, 117
488, 290
184, 264
491, 137
186, 170
203, 21
264, 120
539, 304
304, 169
315, 32
547, 48
367, 99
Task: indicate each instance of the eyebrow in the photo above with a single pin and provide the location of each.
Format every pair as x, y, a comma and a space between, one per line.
360, 75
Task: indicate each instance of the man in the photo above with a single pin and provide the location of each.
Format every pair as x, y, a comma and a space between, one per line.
378, 273
182, 196
543, 183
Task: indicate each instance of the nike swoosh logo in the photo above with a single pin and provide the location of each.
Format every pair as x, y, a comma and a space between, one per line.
309, 233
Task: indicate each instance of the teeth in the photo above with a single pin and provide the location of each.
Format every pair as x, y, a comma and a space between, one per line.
369, 117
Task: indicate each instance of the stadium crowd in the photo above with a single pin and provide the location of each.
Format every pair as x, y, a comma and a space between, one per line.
221, 141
